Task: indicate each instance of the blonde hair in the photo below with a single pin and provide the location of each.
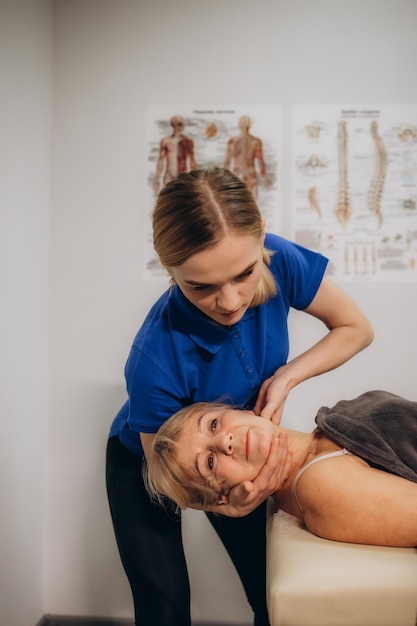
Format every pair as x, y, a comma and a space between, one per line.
164, 474
193, 213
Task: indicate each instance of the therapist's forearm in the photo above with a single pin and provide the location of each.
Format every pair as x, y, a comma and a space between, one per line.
334, 349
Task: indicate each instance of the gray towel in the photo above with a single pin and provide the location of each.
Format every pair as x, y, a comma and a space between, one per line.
379, 427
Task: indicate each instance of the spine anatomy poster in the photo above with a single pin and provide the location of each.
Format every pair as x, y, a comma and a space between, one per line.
354, 189
244, 139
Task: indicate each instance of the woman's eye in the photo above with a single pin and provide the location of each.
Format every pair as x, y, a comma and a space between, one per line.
213, 425
210, 462
246, 274
200, 288
208, 288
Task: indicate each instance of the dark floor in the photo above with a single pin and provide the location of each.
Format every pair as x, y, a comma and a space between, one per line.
74, 620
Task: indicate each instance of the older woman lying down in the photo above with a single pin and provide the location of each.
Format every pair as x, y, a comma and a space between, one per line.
353, 479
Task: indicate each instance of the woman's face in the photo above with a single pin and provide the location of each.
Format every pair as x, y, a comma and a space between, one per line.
226, 446
222, 281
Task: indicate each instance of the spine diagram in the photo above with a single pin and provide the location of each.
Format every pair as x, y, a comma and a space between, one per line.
377, 184
342, 209
314, 201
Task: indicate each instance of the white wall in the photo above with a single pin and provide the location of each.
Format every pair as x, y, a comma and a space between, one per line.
25, 118
111, 60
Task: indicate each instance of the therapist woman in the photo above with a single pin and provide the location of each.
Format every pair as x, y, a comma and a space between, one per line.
218, 333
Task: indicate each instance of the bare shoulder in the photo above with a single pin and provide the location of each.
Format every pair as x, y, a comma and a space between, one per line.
345, 499
329, 481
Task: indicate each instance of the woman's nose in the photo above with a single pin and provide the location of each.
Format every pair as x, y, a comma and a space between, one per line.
228, 298
225, 443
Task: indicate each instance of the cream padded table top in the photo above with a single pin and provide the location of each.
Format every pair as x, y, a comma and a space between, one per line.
316, 582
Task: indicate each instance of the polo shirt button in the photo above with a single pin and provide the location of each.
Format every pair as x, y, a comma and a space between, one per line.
236, 334
242, 352
249, 370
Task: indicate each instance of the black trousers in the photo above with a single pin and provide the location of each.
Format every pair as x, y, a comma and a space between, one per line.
150, 545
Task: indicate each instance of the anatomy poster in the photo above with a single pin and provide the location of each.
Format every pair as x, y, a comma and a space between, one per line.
245, 139
355, 189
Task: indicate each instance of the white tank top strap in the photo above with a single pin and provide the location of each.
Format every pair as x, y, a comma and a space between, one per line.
328, 455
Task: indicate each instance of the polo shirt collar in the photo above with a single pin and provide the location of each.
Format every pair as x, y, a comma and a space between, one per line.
189, 320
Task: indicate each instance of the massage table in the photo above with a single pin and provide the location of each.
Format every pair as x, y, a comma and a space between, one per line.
317, 582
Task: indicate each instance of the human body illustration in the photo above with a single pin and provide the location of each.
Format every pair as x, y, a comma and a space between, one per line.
220, 327
378, 180
244, 156
176, 154
353, 479
313, 200
343, 209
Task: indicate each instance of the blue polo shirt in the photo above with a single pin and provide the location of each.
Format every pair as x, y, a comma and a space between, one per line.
179, 356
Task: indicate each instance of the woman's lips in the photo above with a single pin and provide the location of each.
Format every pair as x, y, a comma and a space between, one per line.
247, 445
232, 314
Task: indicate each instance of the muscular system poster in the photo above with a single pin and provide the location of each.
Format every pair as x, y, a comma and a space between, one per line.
245, 139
